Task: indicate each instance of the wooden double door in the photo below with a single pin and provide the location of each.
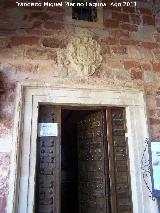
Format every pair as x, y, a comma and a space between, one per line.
102, 181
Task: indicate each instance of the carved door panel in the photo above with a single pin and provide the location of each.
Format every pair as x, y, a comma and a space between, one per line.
119, 162
48, 164
92, 161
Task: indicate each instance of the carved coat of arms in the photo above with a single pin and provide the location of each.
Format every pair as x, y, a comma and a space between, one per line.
84, 55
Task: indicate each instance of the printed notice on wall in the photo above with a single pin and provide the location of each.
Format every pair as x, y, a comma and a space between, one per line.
47, 129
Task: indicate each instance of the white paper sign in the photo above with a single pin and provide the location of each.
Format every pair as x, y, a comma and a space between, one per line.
47, 129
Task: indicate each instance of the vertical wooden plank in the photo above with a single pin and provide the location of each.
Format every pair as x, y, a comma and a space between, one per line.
48, 163
58, 163
119, 161
111, 162
106, 171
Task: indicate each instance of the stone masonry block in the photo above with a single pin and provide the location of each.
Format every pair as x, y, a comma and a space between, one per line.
157, 37
54, 42
135, 19
156, 53
127, 9
145, 33
149, 45
150, 76
139, 53
154, 121
148, 20
109, 23
123, 17
158, 102
119, 50
131, 64
129, 27
4, 43
41, 54
156, 67
53, 26
24, 40
136, 74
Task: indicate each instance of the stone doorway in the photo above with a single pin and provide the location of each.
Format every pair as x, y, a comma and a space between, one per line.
29, 97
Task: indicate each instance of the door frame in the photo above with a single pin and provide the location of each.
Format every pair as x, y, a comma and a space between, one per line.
23, 161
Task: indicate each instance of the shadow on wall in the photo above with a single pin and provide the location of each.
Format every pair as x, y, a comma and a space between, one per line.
7, 98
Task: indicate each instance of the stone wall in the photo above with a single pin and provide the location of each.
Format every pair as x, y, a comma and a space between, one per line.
32, 46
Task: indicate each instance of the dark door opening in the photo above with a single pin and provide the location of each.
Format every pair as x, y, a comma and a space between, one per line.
69, 162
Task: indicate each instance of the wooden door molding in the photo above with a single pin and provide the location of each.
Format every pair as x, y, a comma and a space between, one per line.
22, 177
48, 163
121, 195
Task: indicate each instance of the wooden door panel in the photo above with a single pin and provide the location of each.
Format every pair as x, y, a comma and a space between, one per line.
96, 205
96, 189
48, 165
121, 177
121, 166
119, 162
92, 167
45, 208
119, 141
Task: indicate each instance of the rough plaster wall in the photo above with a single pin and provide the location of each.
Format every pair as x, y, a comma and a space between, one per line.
30, 43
